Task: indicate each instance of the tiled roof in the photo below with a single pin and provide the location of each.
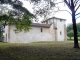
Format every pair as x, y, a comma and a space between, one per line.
41, 25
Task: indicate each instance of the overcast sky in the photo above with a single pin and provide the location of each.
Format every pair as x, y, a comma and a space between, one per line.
62, 14
65, 14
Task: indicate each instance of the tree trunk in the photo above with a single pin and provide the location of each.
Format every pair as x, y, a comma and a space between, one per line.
76, 45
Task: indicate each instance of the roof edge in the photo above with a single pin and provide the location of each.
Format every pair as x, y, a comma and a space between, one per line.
54, 18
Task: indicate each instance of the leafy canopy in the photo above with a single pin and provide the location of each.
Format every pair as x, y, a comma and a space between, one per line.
17, 14
43, 8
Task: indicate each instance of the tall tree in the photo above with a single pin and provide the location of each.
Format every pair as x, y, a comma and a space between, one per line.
43, 8
16, 14
74, 5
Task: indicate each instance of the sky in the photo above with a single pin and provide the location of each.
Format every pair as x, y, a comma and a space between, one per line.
61, 14
64, 14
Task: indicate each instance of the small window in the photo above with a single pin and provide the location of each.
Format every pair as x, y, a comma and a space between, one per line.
60, 20
60, 33
41, 30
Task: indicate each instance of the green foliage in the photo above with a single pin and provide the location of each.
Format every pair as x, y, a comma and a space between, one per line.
22, 23
78, 27
70, 34
69, 27
78, 34
18, 15
70, 30
16, 6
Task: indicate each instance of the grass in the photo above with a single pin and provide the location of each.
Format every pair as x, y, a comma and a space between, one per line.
39, 51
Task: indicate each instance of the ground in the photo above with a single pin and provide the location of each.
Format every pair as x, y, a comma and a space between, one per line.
39, 51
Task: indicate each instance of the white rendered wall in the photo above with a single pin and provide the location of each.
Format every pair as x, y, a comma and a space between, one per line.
33, 35
6, 33
60, 28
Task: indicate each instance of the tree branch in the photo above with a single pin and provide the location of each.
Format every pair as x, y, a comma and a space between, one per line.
66, 11
58, 2
77, 14
77, 8
63, 10
77, 17
67, 4
75, 2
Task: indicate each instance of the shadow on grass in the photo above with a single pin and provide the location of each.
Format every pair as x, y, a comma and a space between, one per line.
39, 51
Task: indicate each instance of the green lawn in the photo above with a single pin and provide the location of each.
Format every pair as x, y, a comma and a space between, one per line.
39, 51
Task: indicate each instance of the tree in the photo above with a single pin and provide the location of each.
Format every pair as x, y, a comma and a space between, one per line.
70, 34
17, 15
78, 27
78, 34
17, 5
43, 8
70, 31
74, 5
70, 28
